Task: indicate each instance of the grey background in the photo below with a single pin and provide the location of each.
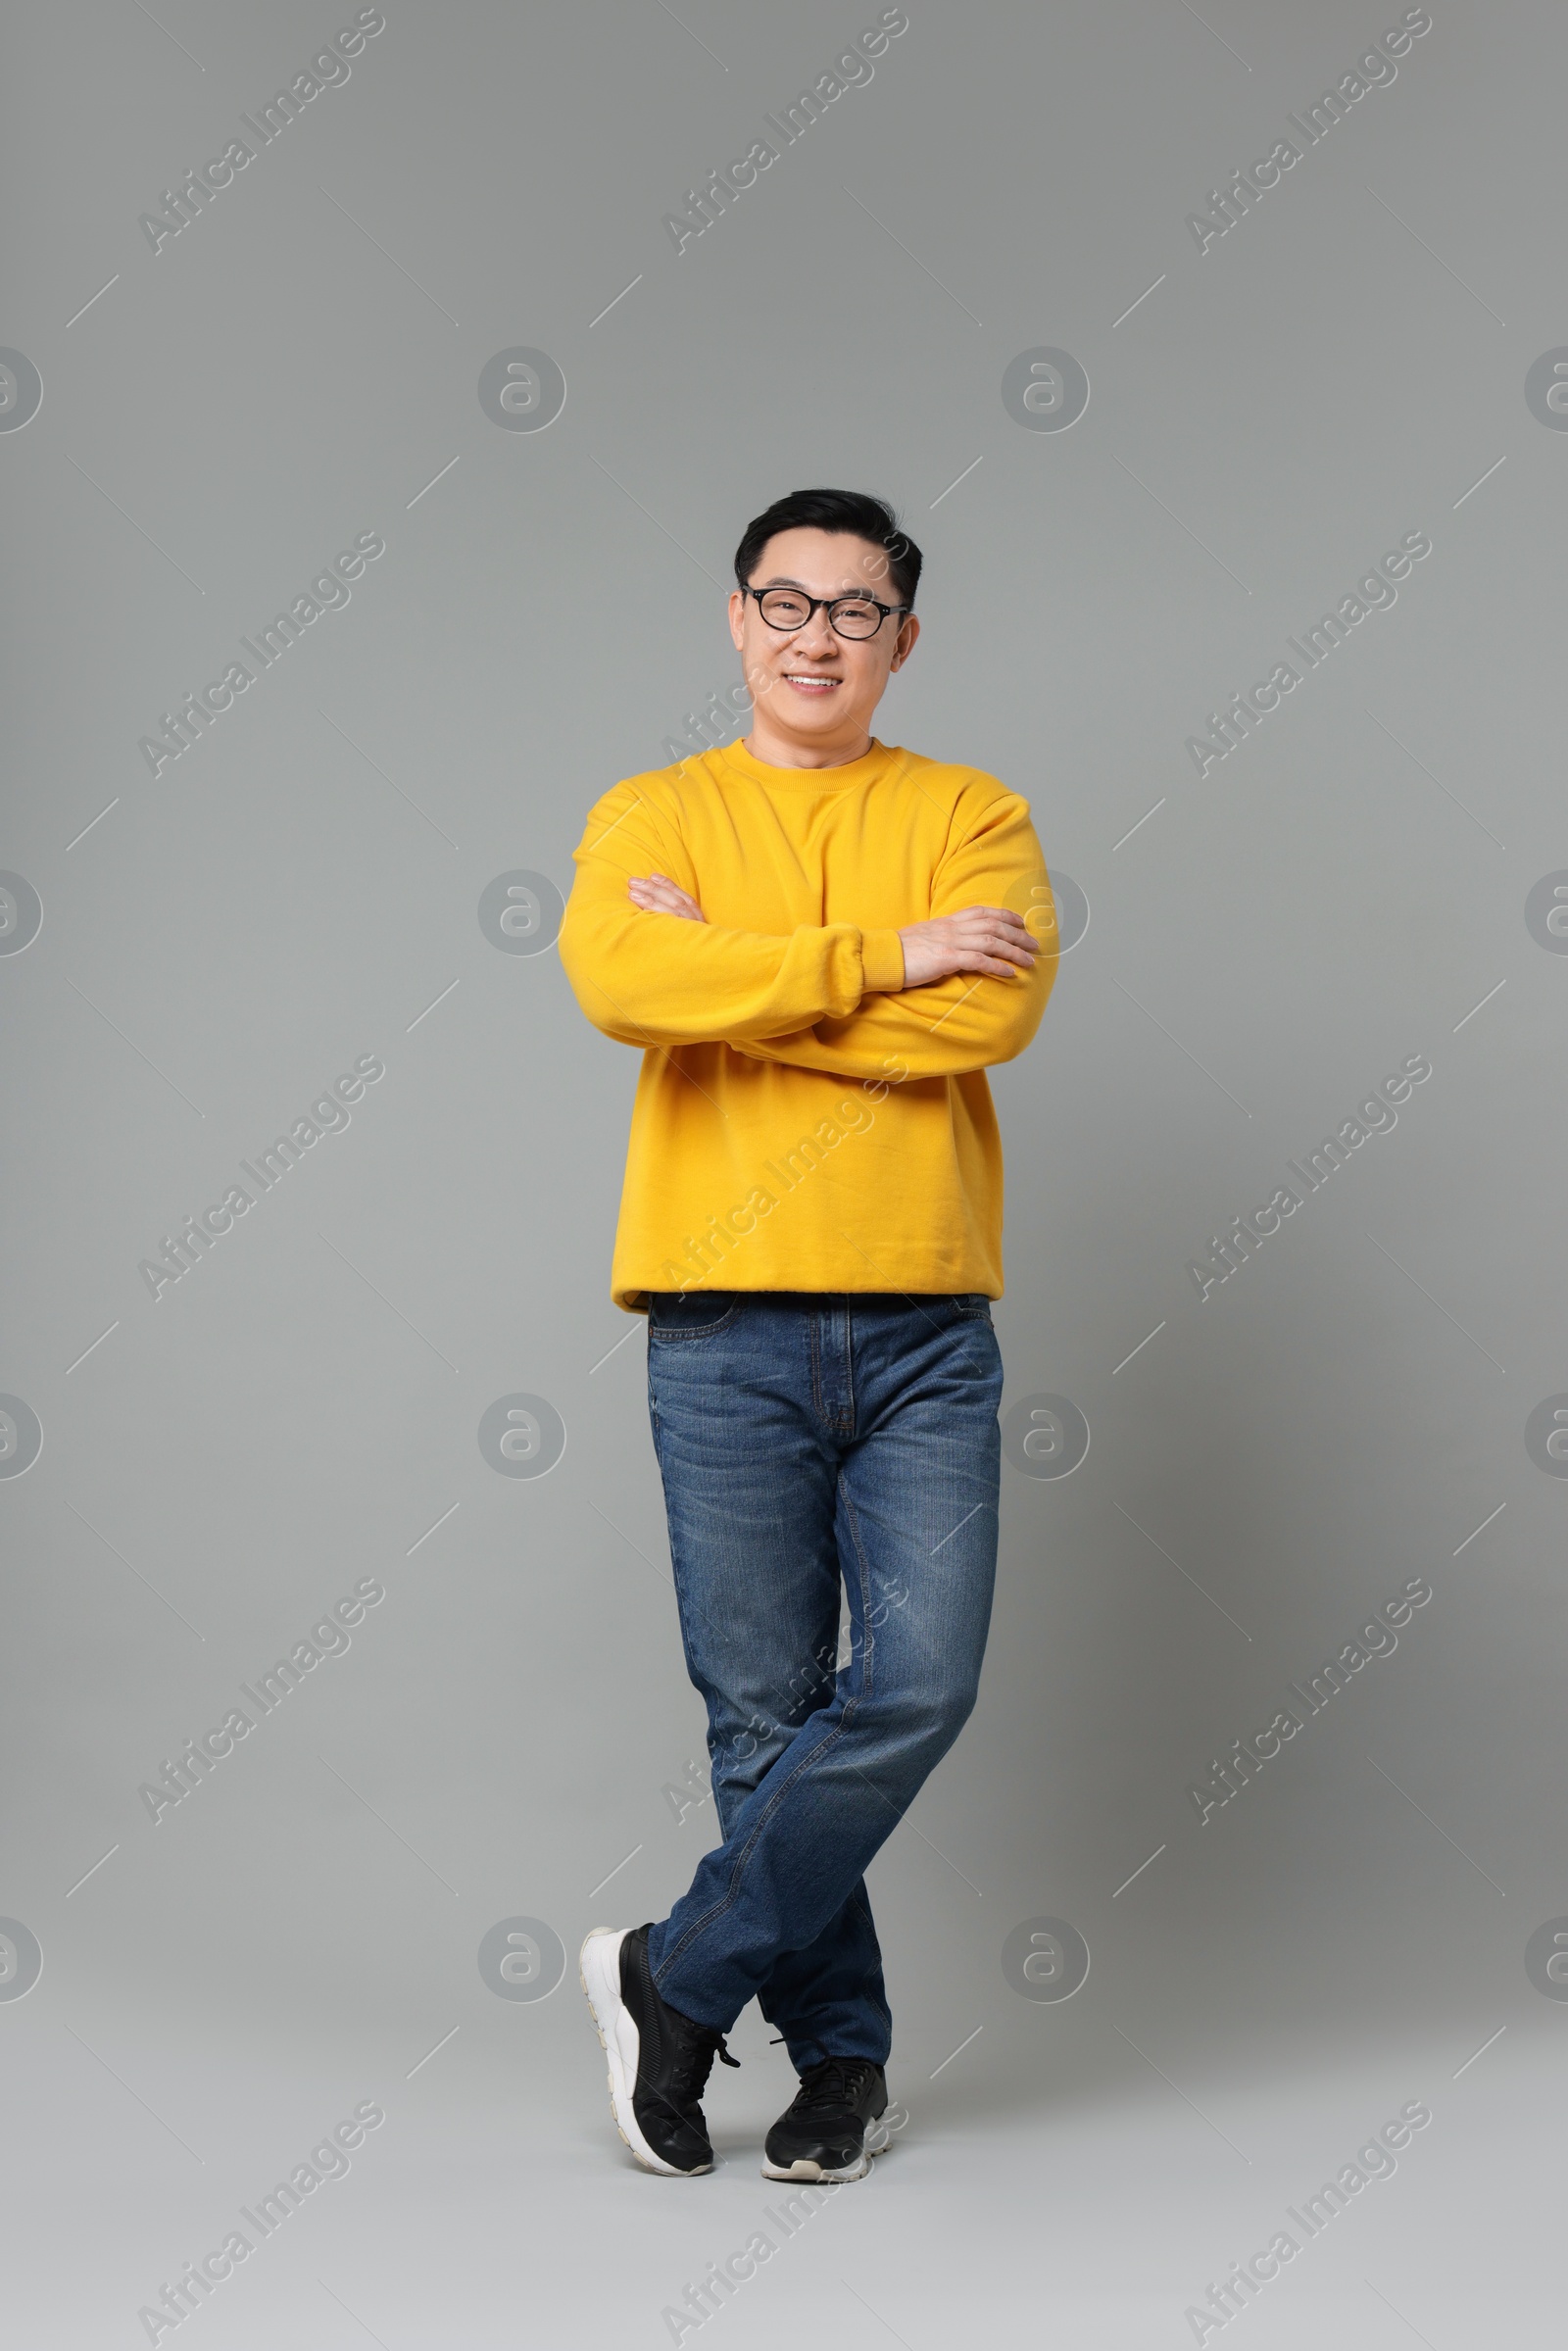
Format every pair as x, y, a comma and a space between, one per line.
302, 887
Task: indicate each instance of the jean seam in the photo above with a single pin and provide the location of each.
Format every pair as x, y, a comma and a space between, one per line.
837, 1424
732, 1893
660, 1335
863, 1571
850, 1707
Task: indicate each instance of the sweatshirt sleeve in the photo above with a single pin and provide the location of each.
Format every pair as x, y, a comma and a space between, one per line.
968, 1021
660, 980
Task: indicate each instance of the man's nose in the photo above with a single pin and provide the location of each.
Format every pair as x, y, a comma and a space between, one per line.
818, 636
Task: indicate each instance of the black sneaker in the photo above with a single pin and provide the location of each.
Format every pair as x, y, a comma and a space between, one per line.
659, 2061
822, 2136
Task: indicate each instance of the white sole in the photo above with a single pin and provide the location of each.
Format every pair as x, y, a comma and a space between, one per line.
804, 2169
598, 1973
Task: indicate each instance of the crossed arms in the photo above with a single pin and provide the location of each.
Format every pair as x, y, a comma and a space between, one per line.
956, 992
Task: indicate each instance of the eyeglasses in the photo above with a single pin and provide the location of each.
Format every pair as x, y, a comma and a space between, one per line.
853, 616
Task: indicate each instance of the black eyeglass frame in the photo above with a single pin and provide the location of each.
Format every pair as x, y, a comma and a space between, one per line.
826, 603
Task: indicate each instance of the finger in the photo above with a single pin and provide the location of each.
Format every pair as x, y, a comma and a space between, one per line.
1018, 946
977, 960
994, 924
670, 900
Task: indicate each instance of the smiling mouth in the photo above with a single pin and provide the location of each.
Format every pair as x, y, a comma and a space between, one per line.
810, 680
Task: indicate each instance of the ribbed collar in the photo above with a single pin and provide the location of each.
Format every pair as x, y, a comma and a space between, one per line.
869, 768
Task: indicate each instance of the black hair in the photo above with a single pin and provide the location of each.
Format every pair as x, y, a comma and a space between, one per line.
850, 512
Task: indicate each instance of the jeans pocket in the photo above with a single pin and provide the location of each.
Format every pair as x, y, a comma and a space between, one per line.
972, 1304
672, 1315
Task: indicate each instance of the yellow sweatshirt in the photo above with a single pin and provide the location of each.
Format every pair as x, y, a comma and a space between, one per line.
802, 1121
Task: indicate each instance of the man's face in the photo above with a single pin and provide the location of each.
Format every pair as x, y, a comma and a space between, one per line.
812, 684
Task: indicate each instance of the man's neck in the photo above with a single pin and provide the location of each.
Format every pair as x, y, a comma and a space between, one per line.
777, 750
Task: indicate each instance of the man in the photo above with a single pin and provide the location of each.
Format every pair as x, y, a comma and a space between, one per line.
819, 943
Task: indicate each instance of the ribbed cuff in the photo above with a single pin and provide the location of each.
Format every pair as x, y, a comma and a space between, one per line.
882, 963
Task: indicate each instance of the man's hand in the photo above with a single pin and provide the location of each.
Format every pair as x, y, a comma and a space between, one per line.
986, 938
656, 893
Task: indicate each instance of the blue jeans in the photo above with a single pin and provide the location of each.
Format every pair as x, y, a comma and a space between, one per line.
810, 1442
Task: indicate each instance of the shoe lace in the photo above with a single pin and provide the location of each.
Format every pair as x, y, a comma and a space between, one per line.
836, 2081
699, 2044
